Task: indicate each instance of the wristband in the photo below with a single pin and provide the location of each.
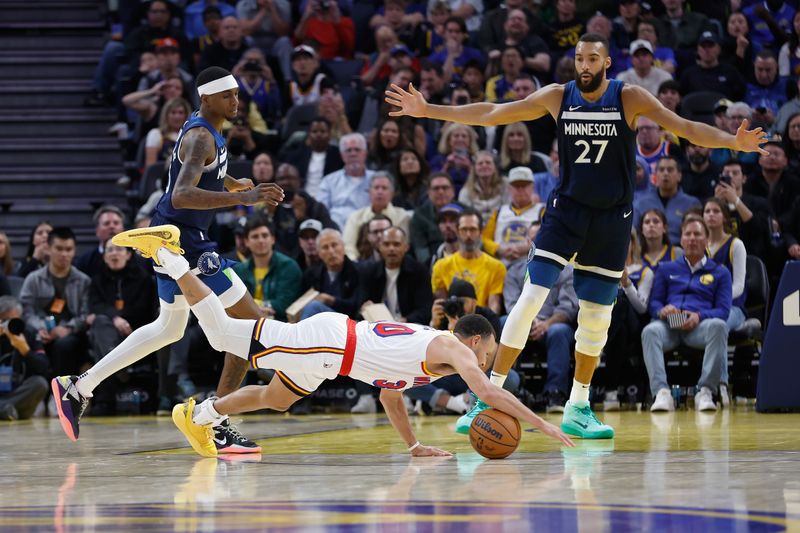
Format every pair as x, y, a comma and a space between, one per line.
414, 446
738, 201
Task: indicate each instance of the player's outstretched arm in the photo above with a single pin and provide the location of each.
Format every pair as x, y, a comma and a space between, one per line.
645, 104
392, 402
270, 193
198, 147
412, 103
467, 367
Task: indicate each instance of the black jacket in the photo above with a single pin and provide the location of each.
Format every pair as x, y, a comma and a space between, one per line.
413, 288
133, 286
300, 157
287, 224
351, 298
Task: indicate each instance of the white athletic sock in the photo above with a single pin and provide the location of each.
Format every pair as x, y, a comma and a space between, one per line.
579, 397
142, 342
204, 413
457, 404
498, 379
175, 265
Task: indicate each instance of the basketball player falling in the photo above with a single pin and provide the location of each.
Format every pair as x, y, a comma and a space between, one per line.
391, 356
198, 185
588, 216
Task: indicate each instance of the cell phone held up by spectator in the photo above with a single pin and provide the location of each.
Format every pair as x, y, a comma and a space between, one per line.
724, 179
252, 66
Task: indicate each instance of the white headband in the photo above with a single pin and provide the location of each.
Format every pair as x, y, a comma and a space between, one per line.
217, 86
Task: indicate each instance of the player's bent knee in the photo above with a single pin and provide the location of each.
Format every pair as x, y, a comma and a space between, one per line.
592, 332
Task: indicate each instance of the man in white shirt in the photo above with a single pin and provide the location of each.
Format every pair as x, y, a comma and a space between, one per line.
643, 73
347, 190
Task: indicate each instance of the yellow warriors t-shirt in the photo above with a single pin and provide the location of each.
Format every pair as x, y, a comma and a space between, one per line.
486, 274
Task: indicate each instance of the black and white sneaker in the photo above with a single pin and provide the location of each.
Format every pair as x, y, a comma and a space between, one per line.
228, 439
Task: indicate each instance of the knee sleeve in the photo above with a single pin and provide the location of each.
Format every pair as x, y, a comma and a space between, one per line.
593, 322
518, 324
224, 333
172, 325
591, 287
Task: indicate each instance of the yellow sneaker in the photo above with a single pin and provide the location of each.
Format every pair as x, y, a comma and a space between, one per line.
149, 240
200, 437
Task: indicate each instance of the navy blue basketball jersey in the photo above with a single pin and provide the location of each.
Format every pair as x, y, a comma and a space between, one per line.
193, 223
597, 149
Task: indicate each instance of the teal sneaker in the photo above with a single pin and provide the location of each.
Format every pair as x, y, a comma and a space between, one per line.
463, 423
581, 422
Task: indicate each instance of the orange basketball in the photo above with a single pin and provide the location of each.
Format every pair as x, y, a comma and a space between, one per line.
494, 434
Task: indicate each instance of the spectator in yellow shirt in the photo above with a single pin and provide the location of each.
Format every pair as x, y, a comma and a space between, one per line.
471, 264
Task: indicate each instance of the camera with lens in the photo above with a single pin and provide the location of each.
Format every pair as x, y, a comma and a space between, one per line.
252, 66
324, 4
454, 307
15, 326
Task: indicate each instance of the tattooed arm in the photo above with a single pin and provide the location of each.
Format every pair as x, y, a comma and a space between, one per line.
197, 149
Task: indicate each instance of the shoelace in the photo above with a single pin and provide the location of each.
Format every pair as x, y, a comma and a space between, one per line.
587, 411
235, 433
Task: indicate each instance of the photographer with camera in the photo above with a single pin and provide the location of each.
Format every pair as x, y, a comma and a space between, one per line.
23, 364
257, 81
323, 22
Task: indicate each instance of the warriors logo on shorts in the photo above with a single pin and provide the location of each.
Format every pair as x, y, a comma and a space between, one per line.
208, 263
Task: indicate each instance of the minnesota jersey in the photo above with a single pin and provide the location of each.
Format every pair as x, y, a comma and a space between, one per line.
597, 149
193, 223
383, 354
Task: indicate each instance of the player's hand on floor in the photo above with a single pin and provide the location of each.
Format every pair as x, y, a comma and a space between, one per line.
429, 451
555, 433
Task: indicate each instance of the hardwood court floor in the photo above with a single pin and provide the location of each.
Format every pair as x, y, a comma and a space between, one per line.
729, 471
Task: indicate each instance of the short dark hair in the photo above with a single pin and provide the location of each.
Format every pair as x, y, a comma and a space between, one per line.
733, 162
669, 157
380, 216
457, 20
440, 174
595, 38
468, 212
255, 222
108, 208
471, 325
211, 74
765, 53
320, 118
669, 85
430, 65
62, 232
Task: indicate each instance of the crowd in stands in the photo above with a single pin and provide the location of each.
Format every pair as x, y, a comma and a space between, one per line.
436, 219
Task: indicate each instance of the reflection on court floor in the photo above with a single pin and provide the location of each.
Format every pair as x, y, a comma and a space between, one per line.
735, 471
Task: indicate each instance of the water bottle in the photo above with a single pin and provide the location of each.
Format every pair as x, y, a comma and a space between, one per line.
49, 322
676, 396
775, 232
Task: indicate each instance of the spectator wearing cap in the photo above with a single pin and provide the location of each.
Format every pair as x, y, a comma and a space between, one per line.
307, 255
472, 264
307, 81
447, 225
381, 192
425, 234
500, 87
505, 233
768, 93
708, 74
679, 28
347, 190
227, 52
664, 57
108, 221
194, 16
401, 56
465, 292
324, 23
376, 68
667, 196
770, 22
168, 60
270, 276
397, 280
644, 73
297, 207
455, 54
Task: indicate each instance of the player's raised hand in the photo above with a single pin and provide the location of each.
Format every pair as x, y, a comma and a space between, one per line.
268, 193
750, 140
410, 102
429, 451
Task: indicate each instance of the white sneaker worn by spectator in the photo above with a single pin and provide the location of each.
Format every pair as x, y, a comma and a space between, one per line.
703, 400
365, 404
663, 401
724, 398
611, 401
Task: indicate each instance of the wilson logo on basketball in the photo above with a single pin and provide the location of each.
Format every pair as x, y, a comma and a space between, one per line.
487, 427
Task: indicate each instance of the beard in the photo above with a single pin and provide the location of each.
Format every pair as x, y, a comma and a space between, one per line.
698, 159
592, 85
